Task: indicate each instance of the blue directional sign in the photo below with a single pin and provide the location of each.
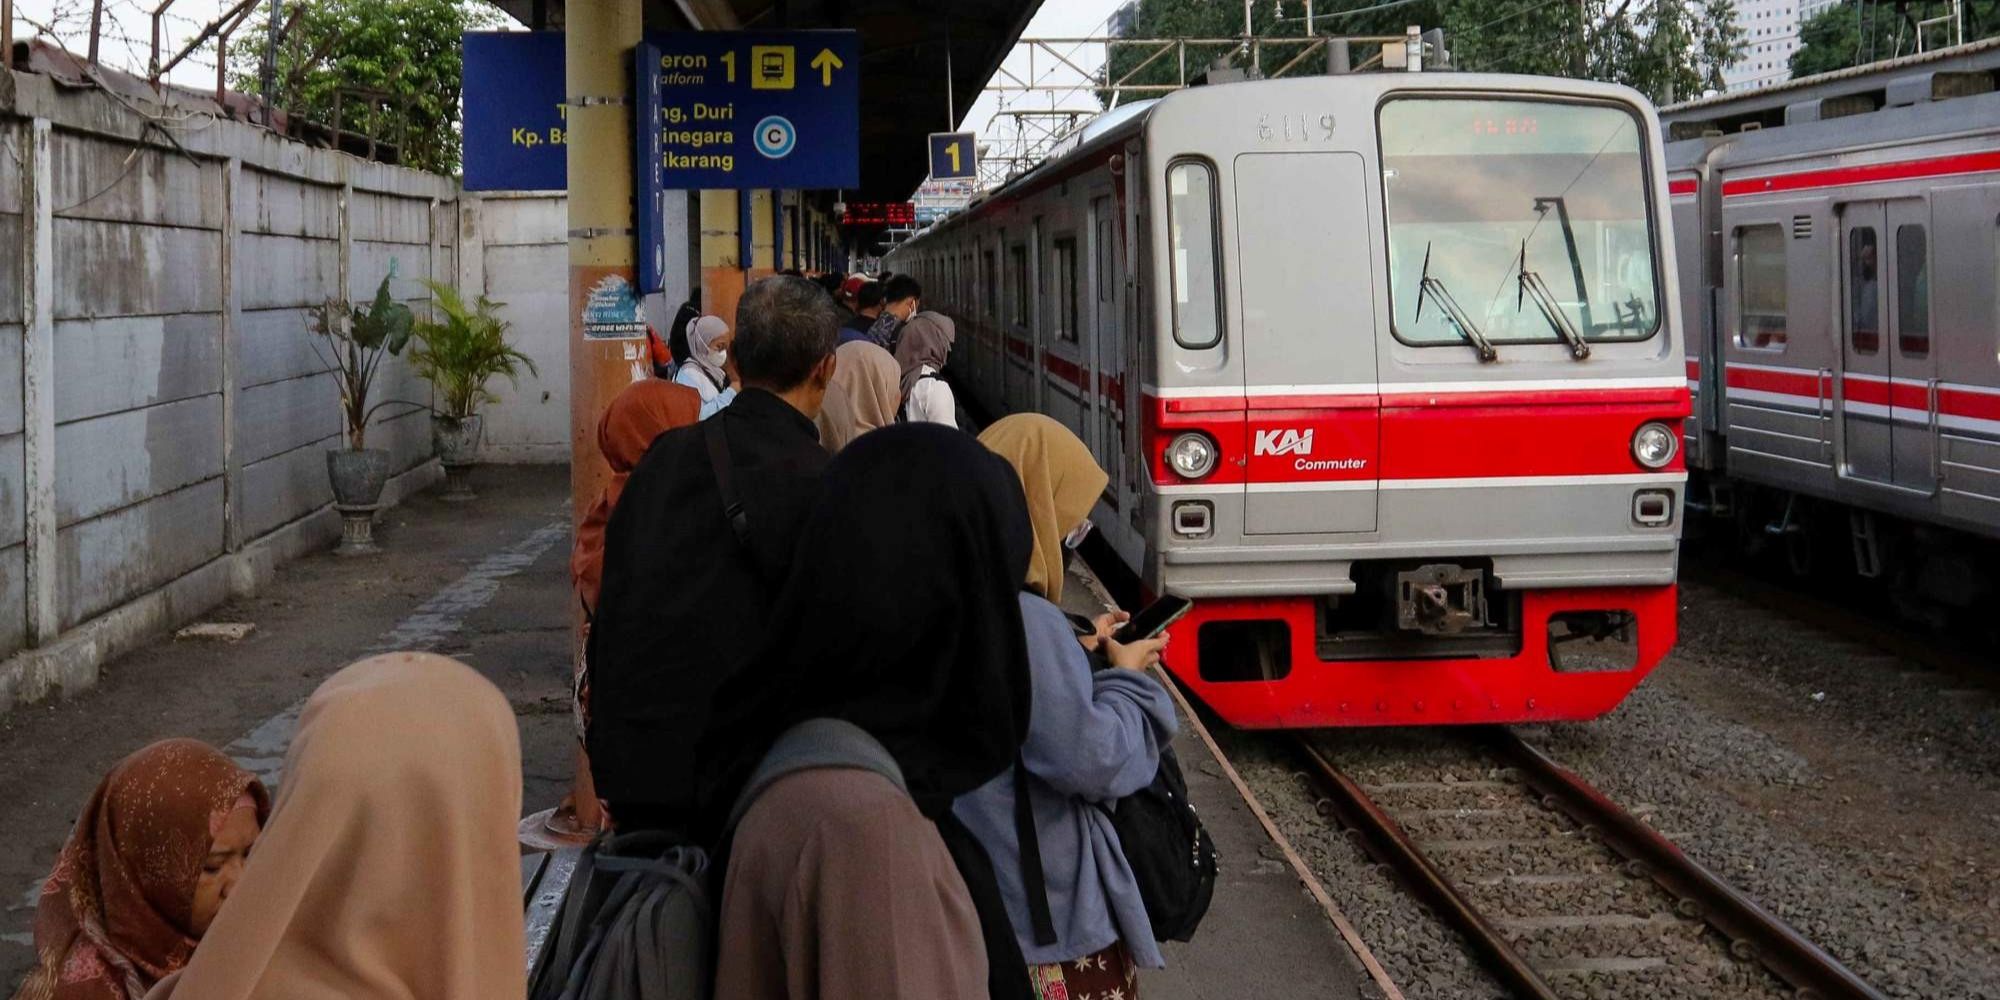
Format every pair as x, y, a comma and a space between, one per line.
953, 155
514, 116
753, 109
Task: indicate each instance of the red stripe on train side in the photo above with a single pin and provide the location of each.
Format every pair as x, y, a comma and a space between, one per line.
1694, 369
1683, 186
1976, 405
1065, 369
1869, 173
1787, 383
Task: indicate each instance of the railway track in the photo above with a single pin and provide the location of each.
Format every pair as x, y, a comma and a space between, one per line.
1555, 888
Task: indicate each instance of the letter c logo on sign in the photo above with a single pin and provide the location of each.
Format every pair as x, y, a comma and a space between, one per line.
776, 137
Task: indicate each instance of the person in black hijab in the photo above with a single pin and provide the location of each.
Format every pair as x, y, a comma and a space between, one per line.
901, 616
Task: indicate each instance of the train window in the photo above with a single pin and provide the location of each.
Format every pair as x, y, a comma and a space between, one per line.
1064, 254
1760, 282
1913, 291
1483, 195
989, 286
1105, 264
1191, 235
1864, 318
1017, 284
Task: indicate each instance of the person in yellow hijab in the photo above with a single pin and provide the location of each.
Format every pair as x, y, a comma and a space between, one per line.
1093, 736
862, 395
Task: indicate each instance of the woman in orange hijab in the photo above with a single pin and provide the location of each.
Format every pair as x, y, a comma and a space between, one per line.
158, 848
639, 413
389, 868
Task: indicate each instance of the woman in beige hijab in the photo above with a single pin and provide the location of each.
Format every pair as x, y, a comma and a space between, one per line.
389, 868
862, 396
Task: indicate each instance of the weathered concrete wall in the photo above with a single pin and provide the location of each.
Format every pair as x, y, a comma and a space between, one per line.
164, 416
517, 248
13, 471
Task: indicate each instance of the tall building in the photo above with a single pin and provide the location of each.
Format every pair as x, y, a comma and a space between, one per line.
1771, 30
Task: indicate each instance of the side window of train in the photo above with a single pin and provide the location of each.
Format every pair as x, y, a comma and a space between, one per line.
1017, 283
1194, 254
1760, 282
1864, 294
1913, 291
1063, 250
1105, 263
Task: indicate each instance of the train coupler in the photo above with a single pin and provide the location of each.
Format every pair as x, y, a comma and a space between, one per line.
1440, 599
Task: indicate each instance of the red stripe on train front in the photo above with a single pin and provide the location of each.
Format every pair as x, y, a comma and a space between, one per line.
1869, 173
1350, 437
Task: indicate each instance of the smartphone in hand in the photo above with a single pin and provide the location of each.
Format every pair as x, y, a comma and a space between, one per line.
1154, 620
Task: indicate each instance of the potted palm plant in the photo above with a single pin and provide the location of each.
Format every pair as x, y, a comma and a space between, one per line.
358, 338
458, 353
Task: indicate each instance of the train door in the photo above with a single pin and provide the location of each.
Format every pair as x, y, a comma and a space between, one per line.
1888, 378
1107, 440
1912, 369
1864, 377
1306, 291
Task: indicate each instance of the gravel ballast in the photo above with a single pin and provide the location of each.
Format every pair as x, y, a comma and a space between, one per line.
1850, 792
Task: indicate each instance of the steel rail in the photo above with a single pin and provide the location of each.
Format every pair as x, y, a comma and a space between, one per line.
1753, 932
1386, 840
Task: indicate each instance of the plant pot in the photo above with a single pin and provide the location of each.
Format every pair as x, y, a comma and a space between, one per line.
358, 476
457, 440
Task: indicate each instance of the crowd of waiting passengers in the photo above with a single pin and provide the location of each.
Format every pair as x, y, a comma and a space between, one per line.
824, 643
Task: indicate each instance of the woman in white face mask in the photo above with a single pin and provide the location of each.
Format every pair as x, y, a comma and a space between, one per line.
705, 370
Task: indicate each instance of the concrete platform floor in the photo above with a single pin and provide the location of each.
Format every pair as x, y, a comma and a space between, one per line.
488, 582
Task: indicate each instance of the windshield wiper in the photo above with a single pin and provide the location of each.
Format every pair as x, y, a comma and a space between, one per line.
1532, 286
1433, 289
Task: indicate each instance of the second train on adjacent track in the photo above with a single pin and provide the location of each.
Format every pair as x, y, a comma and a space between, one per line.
1387, 373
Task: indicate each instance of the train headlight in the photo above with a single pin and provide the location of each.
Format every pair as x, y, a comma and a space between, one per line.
1192, 455
1654, 445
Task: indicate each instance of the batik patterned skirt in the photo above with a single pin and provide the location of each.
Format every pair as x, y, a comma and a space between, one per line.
1103, 975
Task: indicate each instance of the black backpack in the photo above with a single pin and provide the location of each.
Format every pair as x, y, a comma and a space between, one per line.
1171, 856
638, 920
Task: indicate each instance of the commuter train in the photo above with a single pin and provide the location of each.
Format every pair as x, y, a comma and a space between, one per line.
1839, 263
1386, 371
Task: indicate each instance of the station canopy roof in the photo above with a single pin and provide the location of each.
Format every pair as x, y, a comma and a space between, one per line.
903, 57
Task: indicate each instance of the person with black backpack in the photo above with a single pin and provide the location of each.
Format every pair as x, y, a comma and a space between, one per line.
1094, 737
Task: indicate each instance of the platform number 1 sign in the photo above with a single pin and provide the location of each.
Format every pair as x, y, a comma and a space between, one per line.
953, 155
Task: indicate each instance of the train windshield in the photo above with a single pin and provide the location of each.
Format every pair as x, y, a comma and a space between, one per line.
1528, 218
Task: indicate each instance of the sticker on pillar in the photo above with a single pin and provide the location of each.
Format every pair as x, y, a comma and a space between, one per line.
611, 309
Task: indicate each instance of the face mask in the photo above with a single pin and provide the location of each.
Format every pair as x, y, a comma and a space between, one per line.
717, 358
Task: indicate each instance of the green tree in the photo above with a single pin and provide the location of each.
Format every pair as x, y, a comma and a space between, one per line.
1668, 49
1856, 32
392, 67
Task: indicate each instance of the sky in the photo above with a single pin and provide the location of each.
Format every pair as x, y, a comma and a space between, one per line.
127, 36
127, 33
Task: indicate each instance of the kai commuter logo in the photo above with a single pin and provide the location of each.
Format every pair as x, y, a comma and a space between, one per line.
1284, 442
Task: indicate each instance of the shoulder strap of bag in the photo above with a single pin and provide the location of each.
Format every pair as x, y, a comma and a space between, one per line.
1033, 882
811, 744
725, 480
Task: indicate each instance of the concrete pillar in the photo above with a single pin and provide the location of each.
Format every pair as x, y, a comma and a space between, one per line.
38, 375
722, 260
471, 276
232, 332
600, 37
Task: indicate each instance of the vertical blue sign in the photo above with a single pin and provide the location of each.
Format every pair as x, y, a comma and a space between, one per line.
649, 198
754, 109
514, 115
953, 154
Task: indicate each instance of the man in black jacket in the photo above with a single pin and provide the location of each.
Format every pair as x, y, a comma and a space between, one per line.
688, 589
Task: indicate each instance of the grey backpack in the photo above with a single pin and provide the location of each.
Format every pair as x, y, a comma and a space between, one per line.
638, 918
